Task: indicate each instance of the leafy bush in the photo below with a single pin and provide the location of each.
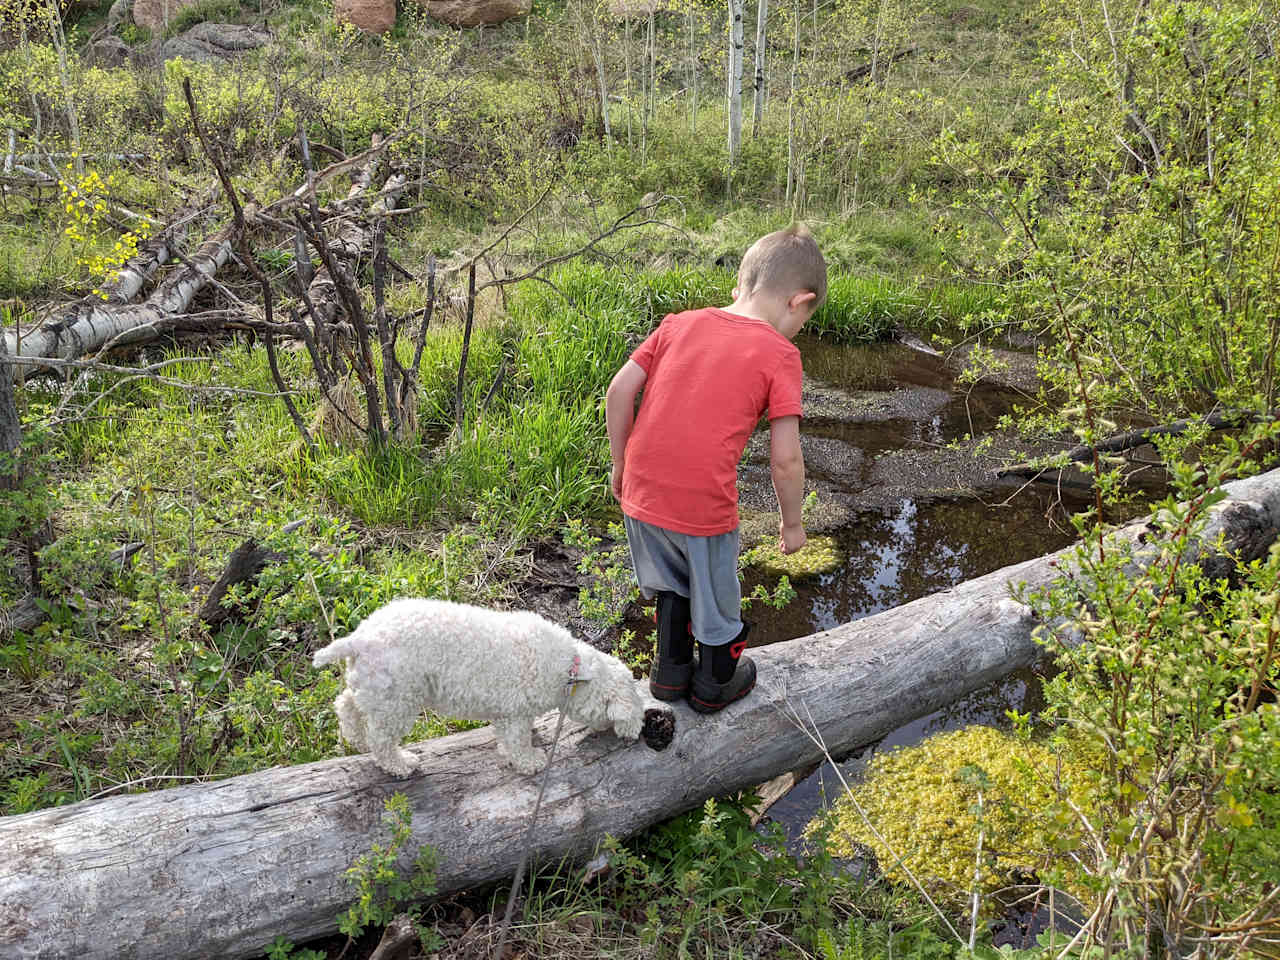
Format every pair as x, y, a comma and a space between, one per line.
202, 11
1173, 690
1140, 232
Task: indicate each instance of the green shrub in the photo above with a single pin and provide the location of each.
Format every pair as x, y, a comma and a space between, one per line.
202, 11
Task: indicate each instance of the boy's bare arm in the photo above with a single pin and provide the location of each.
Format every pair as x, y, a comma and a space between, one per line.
786, 461
620, 415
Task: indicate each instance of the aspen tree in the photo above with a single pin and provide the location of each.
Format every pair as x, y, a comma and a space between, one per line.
762, 15
735, 79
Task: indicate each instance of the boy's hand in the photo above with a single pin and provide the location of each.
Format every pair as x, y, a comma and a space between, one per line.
615, 481
791, 538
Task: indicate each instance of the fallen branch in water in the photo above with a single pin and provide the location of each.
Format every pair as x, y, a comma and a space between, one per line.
1130, 440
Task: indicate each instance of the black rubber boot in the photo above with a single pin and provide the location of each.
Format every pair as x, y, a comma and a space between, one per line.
723, 675
673, 658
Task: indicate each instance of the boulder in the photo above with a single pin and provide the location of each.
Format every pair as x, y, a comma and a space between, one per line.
476, 13
636, 9
371, 16
108, 51
155, 14
120, 11
210, 42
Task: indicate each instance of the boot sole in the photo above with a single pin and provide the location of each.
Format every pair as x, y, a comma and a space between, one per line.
669, 694
703, 706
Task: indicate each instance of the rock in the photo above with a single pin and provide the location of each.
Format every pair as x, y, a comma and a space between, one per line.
211, 42
371, 16
154, 14
120, 11
109, 51
475, 13
634, 9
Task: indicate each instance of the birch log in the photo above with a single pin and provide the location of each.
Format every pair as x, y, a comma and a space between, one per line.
220, 869
94, 324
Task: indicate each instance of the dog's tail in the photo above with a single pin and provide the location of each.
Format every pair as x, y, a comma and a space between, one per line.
342, 647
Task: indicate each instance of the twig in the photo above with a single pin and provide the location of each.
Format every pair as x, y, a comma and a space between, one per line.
426, 322
571, 682
458, 411
620, 224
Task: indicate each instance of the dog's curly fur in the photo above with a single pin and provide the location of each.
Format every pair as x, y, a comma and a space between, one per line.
474, 663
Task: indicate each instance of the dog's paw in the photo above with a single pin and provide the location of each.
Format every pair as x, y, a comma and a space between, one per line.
628, 728
529, 762
400, 764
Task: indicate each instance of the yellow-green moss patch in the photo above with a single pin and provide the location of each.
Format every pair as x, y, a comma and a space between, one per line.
819, 555
922, 801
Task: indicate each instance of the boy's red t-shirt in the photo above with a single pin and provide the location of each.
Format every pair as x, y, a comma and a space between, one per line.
710, 376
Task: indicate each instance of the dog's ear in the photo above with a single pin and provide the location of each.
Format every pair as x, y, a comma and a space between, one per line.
621, 701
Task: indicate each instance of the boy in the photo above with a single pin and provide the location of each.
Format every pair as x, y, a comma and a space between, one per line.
708, 375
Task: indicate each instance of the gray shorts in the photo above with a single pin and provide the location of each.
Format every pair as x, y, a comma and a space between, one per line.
704, 569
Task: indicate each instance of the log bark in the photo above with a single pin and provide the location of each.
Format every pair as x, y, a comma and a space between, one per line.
220, 869
10, 424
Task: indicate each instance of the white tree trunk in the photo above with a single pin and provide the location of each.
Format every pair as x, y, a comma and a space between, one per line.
757, 114
220, 869
791, 111
735, 79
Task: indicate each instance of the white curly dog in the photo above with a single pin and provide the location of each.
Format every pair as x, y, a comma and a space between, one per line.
478, 664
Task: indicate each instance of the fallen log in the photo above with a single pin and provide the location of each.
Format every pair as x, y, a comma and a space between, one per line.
220, 869
95, 324
866, 70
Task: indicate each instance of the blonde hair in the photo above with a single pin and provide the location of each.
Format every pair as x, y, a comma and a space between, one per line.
784, 262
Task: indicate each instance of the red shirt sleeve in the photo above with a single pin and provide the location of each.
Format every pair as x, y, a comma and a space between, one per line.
647, 352
786, 386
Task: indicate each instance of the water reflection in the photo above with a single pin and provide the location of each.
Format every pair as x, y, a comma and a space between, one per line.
915, 550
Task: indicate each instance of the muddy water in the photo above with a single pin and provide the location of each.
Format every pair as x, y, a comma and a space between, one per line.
891, 446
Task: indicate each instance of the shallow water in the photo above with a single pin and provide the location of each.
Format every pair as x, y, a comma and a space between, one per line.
909, 542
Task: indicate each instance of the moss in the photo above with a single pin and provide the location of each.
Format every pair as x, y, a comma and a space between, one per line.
924, 809
819, 555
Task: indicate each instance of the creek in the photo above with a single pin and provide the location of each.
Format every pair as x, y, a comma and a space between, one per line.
894, 446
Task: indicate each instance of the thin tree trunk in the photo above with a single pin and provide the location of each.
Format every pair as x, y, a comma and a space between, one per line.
762, 16
219, 869
597, 54
653, 64
693, 77
626, 63
735, 79
59, 41
791, 112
